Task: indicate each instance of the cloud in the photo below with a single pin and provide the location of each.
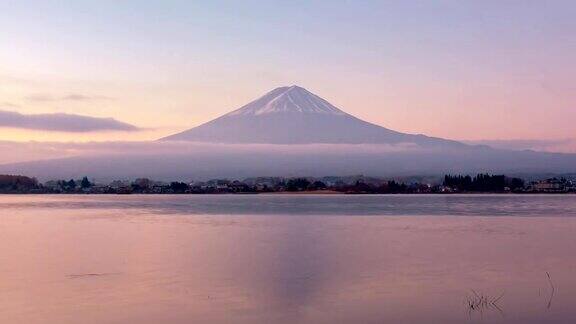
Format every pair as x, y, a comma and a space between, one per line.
81, 97
42, 97
9, 105
28, 151
6, 79
61, 122
554, 145
169, 161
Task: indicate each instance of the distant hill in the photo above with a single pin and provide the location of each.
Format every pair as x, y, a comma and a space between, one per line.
293, 115
225, 161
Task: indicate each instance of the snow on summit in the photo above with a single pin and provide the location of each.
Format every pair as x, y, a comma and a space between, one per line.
294, 115
288, 99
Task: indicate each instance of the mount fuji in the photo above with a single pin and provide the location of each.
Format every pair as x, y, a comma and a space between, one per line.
294, 115
323, 141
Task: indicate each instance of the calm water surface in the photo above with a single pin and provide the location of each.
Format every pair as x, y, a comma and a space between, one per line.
287, 259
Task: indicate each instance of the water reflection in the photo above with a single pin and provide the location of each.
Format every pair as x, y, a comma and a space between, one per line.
116, 263
378, 205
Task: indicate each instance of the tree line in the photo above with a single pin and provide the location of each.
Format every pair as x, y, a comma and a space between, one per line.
449, 184
482, 183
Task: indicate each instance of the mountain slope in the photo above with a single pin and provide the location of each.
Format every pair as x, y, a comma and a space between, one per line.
293, 115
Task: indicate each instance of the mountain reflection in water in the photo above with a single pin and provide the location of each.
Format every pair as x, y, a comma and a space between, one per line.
232, 259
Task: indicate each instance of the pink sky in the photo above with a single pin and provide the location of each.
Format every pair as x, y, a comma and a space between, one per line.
460, 71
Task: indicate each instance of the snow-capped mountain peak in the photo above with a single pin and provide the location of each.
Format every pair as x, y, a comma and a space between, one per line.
293, 99
294, 115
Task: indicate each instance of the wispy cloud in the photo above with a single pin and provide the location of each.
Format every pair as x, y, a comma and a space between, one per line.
82, 97
42, 97
61, 122
555, 145
197, 161
9, 105
27, 151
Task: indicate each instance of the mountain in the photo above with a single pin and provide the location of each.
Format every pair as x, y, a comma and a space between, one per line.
247, 142
293, 115
237, 161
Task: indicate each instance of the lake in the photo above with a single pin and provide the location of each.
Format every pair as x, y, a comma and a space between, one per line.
288, 259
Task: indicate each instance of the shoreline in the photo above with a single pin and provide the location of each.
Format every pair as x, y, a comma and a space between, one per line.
289, 193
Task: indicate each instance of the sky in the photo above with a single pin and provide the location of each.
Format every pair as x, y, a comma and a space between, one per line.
141, 70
